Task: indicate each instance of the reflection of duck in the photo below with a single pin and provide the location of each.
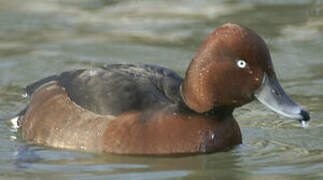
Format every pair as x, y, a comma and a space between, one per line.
147, 109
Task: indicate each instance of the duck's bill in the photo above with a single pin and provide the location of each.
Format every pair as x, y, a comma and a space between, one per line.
272, 95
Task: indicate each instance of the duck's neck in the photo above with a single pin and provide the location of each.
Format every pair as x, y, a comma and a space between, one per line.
196, 90
213, 111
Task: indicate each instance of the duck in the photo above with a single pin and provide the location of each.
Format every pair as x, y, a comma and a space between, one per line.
142, 109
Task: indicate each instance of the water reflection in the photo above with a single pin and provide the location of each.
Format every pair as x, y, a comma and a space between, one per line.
25, 156
34, 159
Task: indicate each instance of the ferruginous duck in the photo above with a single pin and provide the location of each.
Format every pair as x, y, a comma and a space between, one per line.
149, 109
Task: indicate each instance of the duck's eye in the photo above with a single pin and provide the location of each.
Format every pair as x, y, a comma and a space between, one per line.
241, 63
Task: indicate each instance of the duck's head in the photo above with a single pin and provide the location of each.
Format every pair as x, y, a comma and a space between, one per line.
232, 68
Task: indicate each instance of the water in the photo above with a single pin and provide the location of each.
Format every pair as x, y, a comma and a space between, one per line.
43, 37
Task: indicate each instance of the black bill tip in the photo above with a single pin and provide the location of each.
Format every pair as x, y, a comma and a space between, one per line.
305, 115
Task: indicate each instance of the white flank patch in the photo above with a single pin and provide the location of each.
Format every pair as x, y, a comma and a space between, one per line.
14, 122
24, 95
304, 124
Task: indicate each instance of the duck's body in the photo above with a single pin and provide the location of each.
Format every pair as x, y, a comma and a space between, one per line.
147, 109
123, 108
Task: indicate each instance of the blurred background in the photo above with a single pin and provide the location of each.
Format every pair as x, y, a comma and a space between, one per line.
39, 38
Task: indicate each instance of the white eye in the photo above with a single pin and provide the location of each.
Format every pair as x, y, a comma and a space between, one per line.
241, 63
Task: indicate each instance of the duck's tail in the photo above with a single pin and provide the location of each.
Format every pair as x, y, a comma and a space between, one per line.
17, 120
34, 86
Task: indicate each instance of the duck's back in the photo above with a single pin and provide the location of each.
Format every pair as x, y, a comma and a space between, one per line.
118, 88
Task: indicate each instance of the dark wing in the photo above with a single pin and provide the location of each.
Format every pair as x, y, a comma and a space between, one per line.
119, 88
